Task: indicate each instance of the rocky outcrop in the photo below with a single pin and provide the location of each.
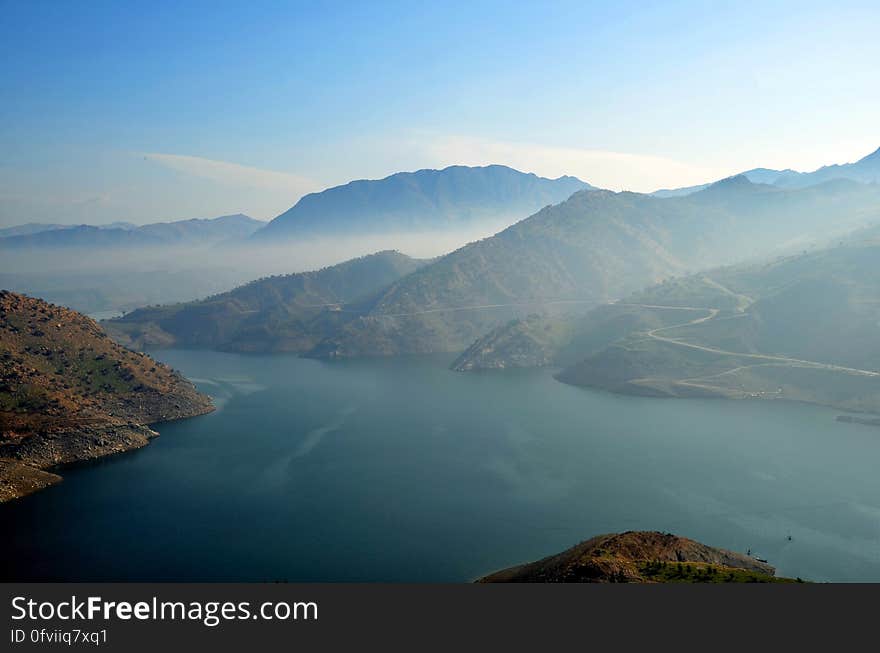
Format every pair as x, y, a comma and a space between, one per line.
68, 393
519, 343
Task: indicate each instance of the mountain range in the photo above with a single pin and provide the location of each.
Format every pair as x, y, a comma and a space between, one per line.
866, 170
801, 327
594, 247
455, 198
31, 228
159, 234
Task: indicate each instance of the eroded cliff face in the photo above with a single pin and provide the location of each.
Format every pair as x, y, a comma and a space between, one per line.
68, 393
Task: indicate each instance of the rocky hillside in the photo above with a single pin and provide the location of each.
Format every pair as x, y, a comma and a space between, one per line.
801, 328
640, 557
533, 341
69, 393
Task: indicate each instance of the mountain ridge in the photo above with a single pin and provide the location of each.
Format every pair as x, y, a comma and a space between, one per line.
863, 170
180, 232
595, 246
429, 199
278, 313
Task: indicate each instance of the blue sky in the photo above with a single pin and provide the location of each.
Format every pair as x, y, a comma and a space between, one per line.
156, 111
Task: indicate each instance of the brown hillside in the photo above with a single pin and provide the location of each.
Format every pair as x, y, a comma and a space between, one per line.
69, 393
639, 557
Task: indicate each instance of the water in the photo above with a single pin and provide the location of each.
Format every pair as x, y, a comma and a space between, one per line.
400, 470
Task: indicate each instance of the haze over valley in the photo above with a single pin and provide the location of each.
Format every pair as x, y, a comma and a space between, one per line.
426, 293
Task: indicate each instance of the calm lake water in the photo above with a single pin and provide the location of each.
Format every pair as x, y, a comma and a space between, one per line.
401, 470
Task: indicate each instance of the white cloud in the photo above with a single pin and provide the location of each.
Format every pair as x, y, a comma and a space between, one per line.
612, 170
233, 174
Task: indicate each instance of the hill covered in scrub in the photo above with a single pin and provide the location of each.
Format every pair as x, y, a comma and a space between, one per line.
640, 557
69, 393
290, 312
802, 328
594, 247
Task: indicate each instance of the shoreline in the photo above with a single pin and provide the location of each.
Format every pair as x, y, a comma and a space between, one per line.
37, 461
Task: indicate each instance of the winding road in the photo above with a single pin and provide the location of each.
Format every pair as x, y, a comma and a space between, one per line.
711, 314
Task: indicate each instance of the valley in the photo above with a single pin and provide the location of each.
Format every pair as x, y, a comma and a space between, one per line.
595, 247
737, 290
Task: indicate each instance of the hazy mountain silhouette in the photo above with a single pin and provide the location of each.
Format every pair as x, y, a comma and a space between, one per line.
866, 170
457, 197
594, 247
181, 232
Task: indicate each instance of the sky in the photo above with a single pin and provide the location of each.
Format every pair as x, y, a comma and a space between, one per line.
158, 111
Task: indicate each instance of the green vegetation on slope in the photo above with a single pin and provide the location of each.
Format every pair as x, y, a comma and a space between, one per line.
700, 572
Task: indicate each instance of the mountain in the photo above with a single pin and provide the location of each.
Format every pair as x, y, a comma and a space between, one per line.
640, 557
282, 313
679, 192
202, 231
30, 228
532, 341
801, 328
69, 393
81, 236
595, 246
183, 232
866, 170
37, 227
458, 197
591, 248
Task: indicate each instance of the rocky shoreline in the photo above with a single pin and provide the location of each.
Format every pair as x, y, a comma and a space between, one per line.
33, 463
69, 394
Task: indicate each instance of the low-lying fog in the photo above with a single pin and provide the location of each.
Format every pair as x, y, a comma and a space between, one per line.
104, 282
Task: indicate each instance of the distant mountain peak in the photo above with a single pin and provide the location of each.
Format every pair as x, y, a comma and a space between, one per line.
735, 183
455, 197
734, 180
865, 170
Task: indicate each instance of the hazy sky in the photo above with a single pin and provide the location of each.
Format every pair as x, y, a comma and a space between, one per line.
111, 111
